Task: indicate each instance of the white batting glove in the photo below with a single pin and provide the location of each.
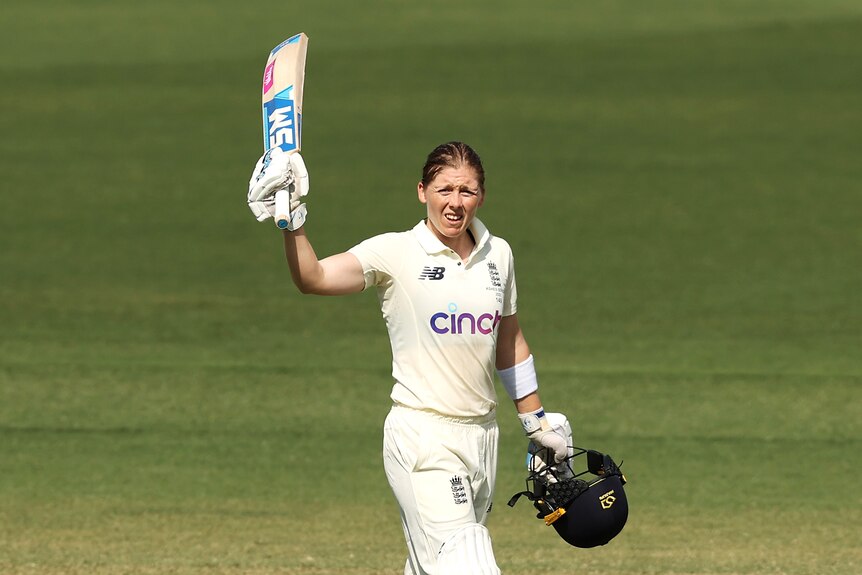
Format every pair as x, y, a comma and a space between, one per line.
276, 171
543, 436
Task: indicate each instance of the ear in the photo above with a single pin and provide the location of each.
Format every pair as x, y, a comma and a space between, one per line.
420, 191
481, 198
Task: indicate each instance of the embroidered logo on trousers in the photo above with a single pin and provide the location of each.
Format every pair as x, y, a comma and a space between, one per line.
459, 494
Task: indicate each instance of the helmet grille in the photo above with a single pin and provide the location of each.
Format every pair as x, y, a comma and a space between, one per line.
564, 492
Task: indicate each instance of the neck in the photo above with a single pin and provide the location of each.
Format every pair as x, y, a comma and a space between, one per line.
462, 244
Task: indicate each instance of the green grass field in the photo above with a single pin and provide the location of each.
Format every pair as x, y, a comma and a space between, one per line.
680, 181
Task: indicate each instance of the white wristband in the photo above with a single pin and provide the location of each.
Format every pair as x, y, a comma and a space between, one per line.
520, 380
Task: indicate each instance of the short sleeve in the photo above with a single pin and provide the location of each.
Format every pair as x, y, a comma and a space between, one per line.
510, 299
378, 257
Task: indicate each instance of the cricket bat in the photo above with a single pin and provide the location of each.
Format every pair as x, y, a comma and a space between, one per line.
283, 80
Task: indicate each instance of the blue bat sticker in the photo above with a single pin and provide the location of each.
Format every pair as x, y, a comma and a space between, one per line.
281, 122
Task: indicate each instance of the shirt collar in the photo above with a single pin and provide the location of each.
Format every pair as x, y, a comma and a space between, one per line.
432, 245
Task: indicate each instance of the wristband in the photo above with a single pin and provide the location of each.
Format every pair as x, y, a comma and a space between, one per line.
520, 380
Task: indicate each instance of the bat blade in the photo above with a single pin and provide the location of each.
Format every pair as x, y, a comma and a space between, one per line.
283, 82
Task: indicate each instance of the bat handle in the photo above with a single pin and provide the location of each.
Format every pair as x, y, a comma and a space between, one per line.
282, 209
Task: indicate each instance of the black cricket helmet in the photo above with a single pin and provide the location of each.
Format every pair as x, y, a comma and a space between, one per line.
587, 508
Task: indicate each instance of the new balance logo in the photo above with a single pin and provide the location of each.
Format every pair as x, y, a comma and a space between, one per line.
429, 273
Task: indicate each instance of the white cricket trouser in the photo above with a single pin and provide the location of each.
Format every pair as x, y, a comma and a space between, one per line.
442, 471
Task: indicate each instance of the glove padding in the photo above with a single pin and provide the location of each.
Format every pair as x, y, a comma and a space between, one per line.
275, 171
543, 435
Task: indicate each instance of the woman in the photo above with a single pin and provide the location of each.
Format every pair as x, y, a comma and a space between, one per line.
448, 296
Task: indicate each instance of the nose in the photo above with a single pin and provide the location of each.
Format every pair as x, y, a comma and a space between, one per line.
455, 200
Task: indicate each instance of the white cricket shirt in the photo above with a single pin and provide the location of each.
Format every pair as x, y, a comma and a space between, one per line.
442, 314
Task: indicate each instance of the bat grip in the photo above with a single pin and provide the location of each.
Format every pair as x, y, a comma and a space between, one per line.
282, 209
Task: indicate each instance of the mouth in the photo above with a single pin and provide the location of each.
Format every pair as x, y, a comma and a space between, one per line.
453, 218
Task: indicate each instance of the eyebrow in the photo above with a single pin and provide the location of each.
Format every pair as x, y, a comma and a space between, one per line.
463, 188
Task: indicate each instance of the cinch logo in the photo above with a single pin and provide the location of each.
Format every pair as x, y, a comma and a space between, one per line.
461, 323
608, 499
429, 273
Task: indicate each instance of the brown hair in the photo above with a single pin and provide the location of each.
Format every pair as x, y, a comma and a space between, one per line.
452, 155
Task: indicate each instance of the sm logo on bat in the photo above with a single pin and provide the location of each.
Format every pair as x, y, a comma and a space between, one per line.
281, 122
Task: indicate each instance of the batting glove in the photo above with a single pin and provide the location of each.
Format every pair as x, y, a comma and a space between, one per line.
543, 436
276, 171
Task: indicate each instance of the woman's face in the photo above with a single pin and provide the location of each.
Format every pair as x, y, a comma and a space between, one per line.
452, 199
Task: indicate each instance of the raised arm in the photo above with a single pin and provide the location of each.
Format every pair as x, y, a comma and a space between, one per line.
336, 275
280, 183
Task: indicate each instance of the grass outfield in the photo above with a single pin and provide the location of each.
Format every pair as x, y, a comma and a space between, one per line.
680, 182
